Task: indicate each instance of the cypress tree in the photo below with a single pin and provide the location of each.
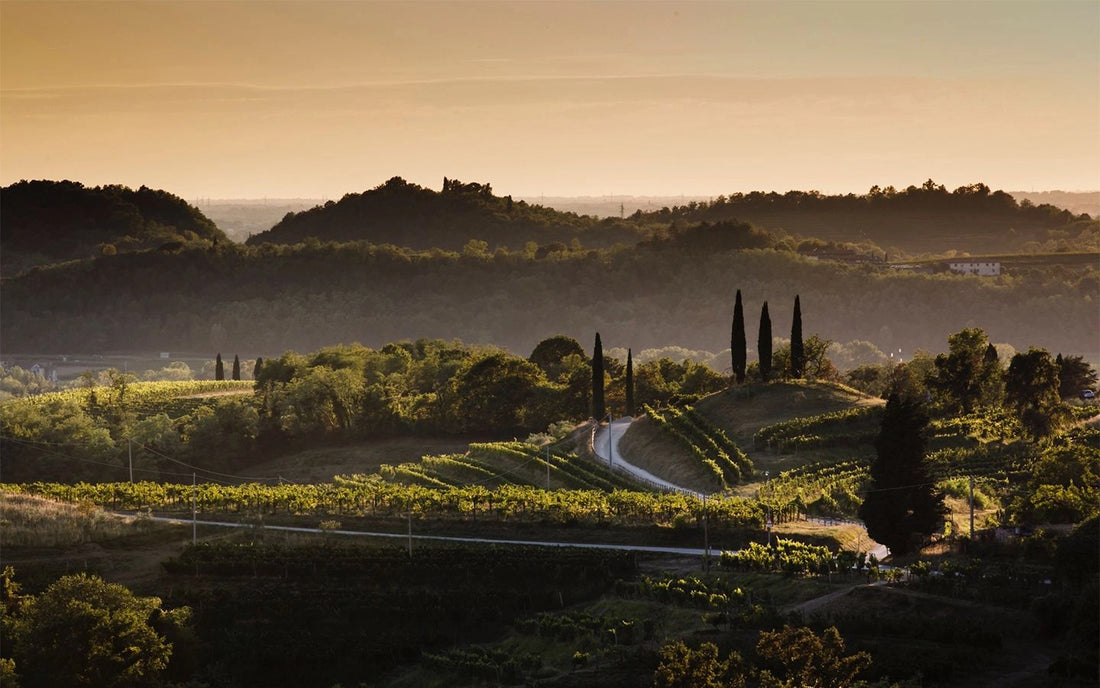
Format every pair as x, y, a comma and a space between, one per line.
236, 367
798, 351
629, 384
599, 410
257, 367
737, 341
764, 343
902, 499
219, 369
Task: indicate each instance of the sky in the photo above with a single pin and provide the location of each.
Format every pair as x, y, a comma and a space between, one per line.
285, 99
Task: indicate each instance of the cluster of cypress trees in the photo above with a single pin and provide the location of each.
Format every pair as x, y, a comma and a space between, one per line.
599, 407
738, 350
219, 368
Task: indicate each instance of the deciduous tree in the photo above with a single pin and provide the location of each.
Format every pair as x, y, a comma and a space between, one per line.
1075, 375
683, 667
83, 631
808, 659
962, 373
550, 353
1031, 389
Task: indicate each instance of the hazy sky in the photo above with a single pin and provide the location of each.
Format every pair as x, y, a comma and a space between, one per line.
318, 99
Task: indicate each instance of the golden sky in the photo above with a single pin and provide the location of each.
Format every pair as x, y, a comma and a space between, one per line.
318, 99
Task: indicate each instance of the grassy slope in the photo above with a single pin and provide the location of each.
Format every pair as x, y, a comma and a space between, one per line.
740, 413
320, 464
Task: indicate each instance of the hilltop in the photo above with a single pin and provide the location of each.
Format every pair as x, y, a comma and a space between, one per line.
741, 413
44, 222
412, 216
927, 219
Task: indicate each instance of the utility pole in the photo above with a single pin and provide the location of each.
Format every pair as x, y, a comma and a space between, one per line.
706, 536
971, 506
610, 447
194, 509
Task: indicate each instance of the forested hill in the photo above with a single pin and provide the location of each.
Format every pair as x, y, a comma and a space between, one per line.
267, 299
927, 219
45, 222
409, 215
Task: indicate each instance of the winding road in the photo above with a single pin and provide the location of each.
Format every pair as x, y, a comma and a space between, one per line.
605, 444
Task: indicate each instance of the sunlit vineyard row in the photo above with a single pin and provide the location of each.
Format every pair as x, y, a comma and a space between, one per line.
857, 425
149, 396
348, 498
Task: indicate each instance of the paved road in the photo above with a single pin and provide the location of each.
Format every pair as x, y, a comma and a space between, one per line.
688, 551
605, 443
608, 450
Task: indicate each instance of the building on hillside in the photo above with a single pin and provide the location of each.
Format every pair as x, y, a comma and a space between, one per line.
975, 268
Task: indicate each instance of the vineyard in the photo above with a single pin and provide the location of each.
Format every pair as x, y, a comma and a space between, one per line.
370, 496
172, 398
848, 428
509, 463
370, 607
708, 445
825, 489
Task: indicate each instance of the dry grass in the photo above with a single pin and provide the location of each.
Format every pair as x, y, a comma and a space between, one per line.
649, 447
321, 464
29, 521
848, 536
743, 411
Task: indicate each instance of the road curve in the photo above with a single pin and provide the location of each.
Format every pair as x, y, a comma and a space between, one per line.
605, 444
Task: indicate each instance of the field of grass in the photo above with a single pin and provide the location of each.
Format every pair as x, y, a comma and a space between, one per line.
320, 464
31, 521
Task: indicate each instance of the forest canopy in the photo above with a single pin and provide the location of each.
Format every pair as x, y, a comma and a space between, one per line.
44, 222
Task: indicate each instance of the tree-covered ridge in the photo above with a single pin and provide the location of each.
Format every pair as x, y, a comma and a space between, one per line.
270, 298
917, 219
44, 222
410, 215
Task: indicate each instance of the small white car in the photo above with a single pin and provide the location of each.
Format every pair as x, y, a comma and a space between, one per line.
1088, 394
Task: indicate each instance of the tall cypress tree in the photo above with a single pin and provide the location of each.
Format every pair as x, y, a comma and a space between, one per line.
257, 367
798, 351
902, 500
599, 410
236, 367
764, 343
737, 341
629, 384
219, 369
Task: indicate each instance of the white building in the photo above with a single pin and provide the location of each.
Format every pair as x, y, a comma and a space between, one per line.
973, 268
